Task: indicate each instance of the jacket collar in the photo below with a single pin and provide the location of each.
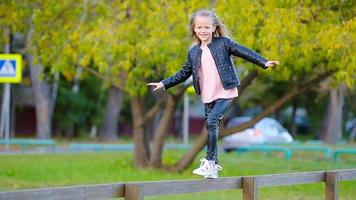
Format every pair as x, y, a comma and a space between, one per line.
213, 39
197, 46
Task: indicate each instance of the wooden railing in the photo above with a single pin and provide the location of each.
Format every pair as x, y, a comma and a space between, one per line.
138, 190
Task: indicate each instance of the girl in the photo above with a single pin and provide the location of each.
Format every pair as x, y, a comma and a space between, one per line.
214, 77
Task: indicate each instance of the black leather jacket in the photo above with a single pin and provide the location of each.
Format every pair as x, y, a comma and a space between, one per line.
221, 49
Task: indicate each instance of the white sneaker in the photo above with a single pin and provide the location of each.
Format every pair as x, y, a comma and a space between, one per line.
212, 171
203, 168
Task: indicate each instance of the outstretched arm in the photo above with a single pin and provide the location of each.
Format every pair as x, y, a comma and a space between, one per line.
248, 54
175, 79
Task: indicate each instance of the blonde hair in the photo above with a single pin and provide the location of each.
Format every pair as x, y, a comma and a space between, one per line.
220, 29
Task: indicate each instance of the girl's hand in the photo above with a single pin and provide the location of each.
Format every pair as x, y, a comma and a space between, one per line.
271, 63
157, 85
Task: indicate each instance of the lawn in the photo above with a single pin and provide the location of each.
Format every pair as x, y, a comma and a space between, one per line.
48, 170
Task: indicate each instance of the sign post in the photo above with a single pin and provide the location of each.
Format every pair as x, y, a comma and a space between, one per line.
10, 72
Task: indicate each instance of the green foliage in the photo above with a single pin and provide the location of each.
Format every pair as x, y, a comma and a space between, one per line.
159, 41
307, 37
148, 40
79, 109
135, 42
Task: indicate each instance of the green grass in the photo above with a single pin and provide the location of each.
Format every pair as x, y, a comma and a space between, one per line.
34, 171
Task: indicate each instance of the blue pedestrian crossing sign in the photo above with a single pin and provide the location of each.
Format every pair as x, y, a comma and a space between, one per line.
10, 68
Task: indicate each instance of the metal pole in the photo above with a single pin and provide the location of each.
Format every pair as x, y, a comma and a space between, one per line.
186, 120
2, 122
5, 115
7, 110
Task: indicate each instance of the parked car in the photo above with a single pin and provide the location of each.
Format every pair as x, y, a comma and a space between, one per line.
350, 124
350, 128
266, 131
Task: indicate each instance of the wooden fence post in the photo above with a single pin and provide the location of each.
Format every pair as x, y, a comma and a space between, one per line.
331, 185
133, 192
250, 188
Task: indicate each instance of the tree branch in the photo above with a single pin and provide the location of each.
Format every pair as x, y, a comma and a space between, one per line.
180, 91
152, 111
247, 80
188, 158
244, 83
98, 75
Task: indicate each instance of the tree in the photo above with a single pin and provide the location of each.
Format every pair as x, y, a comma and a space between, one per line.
39, 22
159, 54
80, 42
292, 32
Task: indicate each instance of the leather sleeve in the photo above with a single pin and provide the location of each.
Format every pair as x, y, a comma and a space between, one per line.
182, 75
245, 53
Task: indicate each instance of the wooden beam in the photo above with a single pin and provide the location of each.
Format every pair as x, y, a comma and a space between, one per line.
133, 191
291, 178
189, 186
346, 174
250, 188
99, 191
137, 190
331, 185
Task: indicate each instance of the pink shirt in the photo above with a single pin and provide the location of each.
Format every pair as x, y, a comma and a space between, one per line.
209, 80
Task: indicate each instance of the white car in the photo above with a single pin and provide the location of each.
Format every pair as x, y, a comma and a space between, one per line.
266, 131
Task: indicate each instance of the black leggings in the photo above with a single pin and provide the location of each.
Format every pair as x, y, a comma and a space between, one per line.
214, 112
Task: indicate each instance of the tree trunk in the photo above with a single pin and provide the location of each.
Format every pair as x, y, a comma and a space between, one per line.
331, 130
188, 158
158, 138
141, 149
42, 95
153, 117
143, 155
112, 112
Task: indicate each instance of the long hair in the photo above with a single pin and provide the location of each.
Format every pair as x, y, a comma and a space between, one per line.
220, 29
